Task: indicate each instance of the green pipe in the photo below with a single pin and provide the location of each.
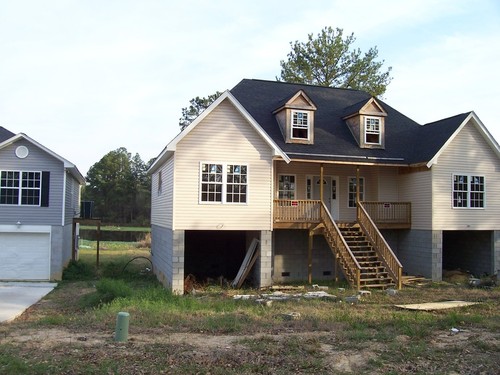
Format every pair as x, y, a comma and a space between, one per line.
121, 332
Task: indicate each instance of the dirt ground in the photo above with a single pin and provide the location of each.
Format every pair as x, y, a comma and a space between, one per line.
156, 350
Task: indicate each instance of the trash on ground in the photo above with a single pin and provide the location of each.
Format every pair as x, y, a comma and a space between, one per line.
430, 306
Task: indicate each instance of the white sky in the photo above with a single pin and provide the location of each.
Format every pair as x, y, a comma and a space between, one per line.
86, 77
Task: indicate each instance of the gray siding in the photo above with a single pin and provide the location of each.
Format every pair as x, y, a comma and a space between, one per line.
38, 160
72, 201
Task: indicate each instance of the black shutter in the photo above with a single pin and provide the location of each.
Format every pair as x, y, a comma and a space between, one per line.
44, 199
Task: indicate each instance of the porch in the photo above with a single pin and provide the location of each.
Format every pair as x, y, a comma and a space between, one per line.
302, 214
359, 248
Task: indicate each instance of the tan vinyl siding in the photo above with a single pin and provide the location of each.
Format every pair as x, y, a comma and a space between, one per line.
373, 184
467, 154
162, 201
416, 187
224, 136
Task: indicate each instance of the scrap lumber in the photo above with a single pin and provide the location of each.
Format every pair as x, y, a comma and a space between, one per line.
248, 262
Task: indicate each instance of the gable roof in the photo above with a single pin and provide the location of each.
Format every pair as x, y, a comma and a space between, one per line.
171, 147
407, 143
70, 167
441, 134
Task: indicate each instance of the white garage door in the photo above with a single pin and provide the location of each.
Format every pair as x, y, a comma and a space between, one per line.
24, 256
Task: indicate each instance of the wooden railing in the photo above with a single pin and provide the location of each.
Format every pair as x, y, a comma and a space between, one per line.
340, 249
389, 213
392, 264
301, 211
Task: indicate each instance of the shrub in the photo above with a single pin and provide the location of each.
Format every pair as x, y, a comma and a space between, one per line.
78, 270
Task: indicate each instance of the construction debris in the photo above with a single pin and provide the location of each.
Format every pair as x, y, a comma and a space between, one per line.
431, 306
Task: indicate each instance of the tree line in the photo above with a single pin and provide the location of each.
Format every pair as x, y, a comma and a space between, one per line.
118, 184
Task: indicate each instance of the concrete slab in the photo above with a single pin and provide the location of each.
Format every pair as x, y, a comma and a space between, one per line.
16, 297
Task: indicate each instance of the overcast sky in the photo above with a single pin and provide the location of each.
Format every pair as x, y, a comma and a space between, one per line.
84, 77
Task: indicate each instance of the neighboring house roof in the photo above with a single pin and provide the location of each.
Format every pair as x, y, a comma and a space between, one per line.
406, 141
70, 167
5, 134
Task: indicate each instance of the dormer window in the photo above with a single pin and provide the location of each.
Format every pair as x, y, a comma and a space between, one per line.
296, 119
300, 125
366, 121
372, 130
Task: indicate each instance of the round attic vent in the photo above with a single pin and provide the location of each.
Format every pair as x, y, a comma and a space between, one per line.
22, 152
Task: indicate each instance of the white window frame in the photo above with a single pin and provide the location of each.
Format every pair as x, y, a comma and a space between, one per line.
300, 126
468, 192
361, 191
20, 188
224, 183
376, 131
294, 190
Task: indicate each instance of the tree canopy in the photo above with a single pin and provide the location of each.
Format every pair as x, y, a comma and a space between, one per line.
329, 60
120, 188
198, 105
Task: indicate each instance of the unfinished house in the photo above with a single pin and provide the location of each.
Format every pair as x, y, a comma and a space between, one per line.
316, 183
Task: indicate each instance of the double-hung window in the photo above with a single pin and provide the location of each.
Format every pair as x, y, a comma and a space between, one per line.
223, 183
286, 187
300, 125
468, 191
372, 130
353, 191
20, 188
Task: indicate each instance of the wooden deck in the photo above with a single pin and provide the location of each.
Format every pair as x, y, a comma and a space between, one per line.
302, 214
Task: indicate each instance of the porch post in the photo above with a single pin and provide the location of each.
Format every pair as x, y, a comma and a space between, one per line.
321, 187
357, 192
309, 256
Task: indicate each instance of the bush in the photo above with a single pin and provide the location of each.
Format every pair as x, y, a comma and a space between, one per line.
78, 270
106, 291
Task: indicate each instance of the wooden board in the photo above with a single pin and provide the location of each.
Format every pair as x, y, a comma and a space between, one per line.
248, 262
430, 306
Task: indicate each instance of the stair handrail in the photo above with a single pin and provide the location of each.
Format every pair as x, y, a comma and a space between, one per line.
342, 250
380, 245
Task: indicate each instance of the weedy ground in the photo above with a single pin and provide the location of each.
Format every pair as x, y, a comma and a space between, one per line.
71, 330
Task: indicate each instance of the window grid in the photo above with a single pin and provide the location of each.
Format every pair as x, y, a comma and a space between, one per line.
300, 125
224, 183
372, 130
468, 191
286, 187
352, 191
236, 184
20, 188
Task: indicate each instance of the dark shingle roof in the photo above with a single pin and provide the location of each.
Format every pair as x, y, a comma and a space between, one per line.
406, 142
5, 134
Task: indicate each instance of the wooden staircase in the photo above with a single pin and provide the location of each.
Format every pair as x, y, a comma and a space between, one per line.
373, 273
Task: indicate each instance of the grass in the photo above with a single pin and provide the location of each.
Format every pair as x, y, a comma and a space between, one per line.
386, 339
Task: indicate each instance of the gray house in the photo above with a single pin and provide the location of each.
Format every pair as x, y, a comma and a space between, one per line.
330, 182
39, 197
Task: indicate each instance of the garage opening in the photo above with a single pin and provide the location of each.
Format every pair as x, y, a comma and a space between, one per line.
209, 255
470, 251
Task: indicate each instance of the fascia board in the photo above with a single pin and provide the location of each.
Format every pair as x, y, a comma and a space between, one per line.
67, 164
482, 129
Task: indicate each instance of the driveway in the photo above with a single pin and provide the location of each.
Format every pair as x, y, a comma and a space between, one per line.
15, 297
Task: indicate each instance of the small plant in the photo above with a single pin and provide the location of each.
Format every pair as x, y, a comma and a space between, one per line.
78, 270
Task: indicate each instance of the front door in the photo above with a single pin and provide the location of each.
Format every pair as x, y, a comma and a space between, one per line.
330, 185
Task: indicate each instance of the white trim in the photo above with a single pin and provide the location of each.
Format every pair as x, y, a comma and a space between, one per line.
21, 228
171, 146
63, 199
307, 127
67, 164
224, 184
294, 189
482, 129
